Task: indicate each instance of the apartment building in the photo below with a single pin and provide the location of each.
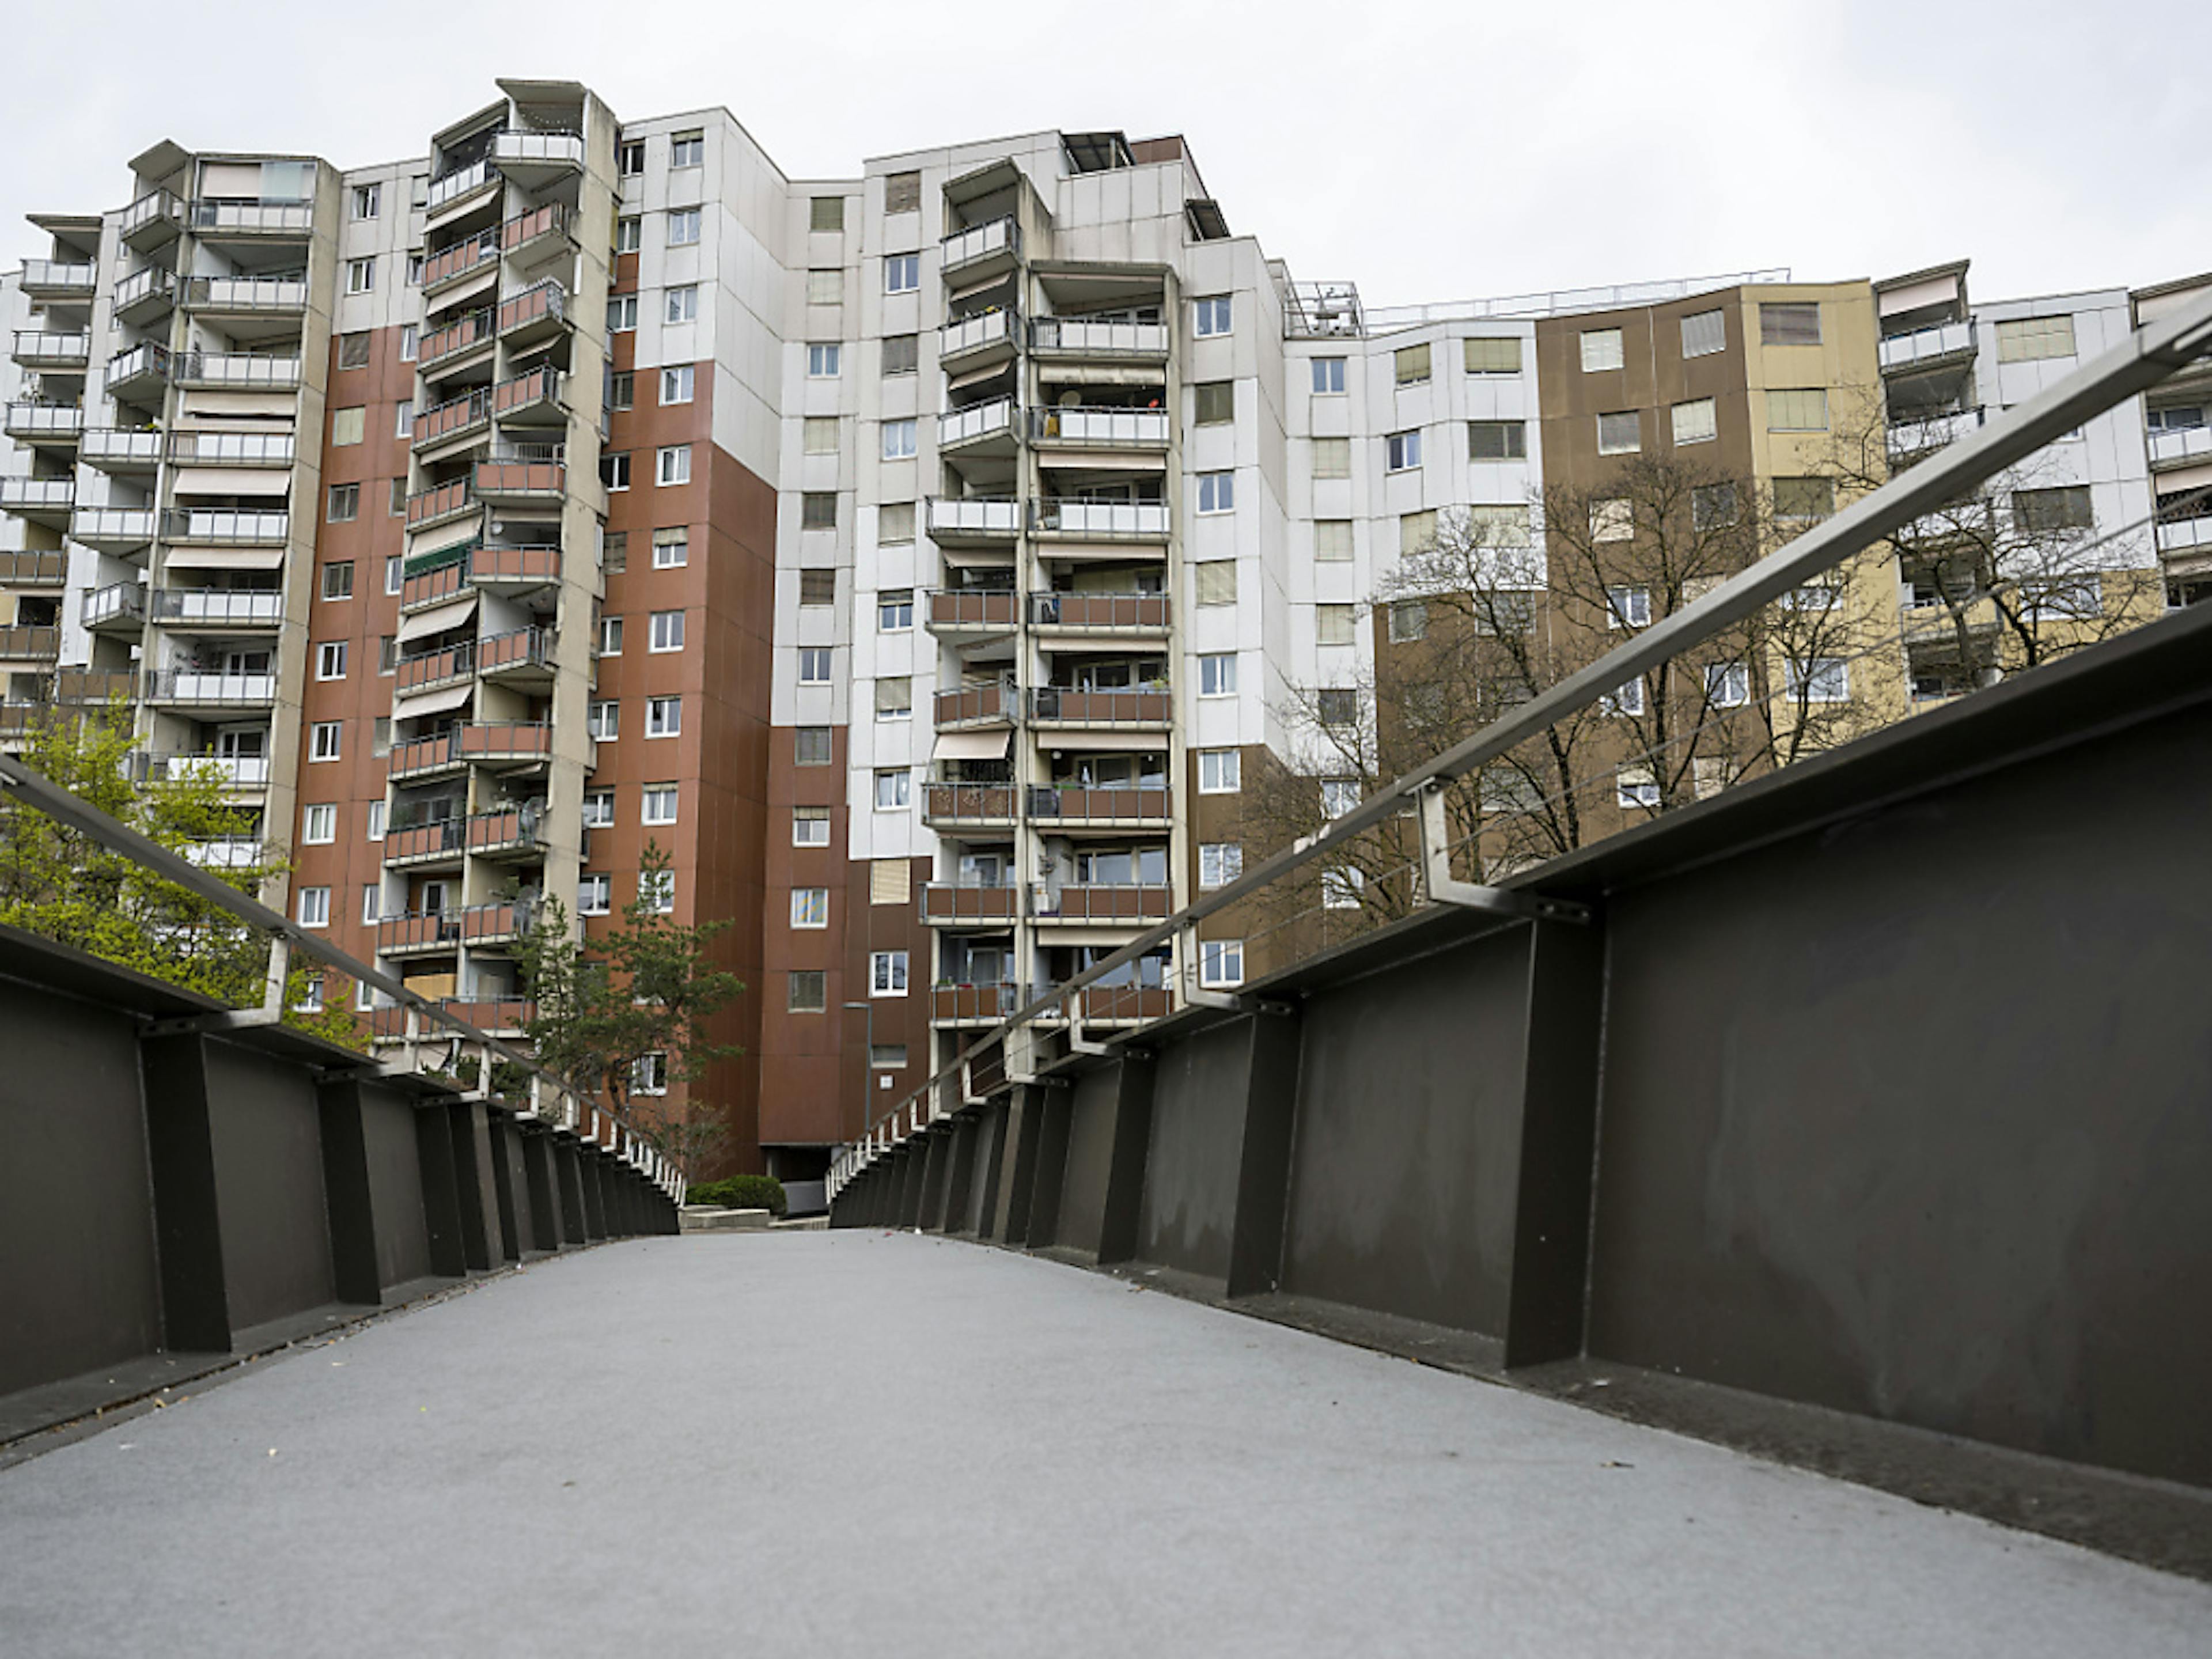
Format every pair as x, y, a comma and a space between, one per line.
928, 562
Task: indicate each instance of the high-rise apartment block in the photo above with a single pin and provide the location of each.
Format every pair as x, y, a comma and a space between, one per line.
926, 561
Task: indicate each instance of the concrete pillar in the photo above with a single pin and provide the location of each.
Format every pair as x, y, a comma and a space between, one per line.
914, 1164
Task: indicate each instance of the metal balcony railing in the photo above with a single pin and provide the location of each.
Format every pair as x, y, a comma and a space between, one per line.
506, 740
965, 517
979, 420
155, 286
539, 388
1134, 521
519, 566
958, 901
462, 181
989, 328
996, 704
950, 1003
447, 501
231, 448
965, 247
544, 303
255, 218
152, 218
954, 609
509, 479
518, 233
457, 415
2185, 535
1082, 337
94, 685
1068, 705
1100, 613
218, 607
258, 527
26, 419
39, 348
520, 648
142, 364
464, 333
432, 840
1928, 345
1105, 428
2180, 446
33, 570
246, 293
501, 923
37, 494
30, 641
560, 148
449, 264
115, 448
112, 528
239, 370
427, 669
231, 771
210, 687
1116, 905
511, 829
67, 278
121, 603
982, 804
418, 931
1072, 803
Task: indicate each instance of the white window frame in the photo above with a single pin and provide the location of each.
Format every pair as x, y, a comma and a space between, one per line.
1401, 451
1211, 315
326, 740
1822, 679
1217, 674
330, 659
667, 635
676, 383
599, 811
1328, 377
898, 783
894, 610
602, 719
825, 360
664, 717
315, 907
680, 304
888, 973
899, 440
671, 547
1221, 962
319, 824
901, 273
361, 275
810, 908
810, 817
1727, 685
1219, 863
816, 657
1217, 492
1225, 767
680, 221
657, 803
674, 465
595, 894
1603, 351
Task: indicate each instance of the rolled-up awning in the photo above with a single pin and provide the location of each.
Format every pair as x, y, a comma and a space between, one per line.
437, 621
407, 706
224, 558
972, 745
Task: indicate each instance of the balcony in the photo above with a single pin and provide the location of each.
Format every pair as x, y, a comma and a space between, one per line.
254, 449
118, 608
39, 348
253, 221
448, 501
145, 296
141, 372
968, 805
524, 233
418, 933
523, 657
422, 757
230, 772
2185, 535
522, 479
1113, 907
1125, 1005
503, 923
1131, 707
450, 189
210, 689
511, 832
115, 449
1930, 433
41, 501
228, 526
94, 685
19, 717
1927, 346
456, 417
454, 342
499, 1016
30, 642
536, 160
972, 342
229, 853
971, 520
219, 609
438, 841
430, 669
515, 570
963, 904
1100, 521
48, 280
970, 611
1111, 614
981, 251
529, 400
967, 705
238, 371
2180, 446
245, 296
434, 579
1073, 807
152, 221
973, 1005
449, 264
536, 313
1075, 427
123, 530
1079, 337
985, 428
31, 422
507, 742
33, 570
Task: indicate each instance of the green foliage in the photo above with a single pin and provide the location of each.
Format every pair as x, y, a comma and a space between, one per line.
60, 884
745, 1192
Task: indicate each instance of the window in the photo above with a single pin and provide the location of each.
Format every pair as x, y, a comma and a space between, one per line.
675, 464
1621, 433
602, 719
629, 158
614, 470
1409, 621
676, 385
315, 907
894, 697
367, 199
903, 192
1820, 679
1417, 532
648, 1074
659, 801
1805, 410
1815, 596
890, 881
1338, 796
622, 313
683, 228
1402, 451
1341, 887
814, 664
1628, 607
380, 736
817, 510
1696, 421
825, 288
1220, 771
808, 992
1214, 402
610, 636
817, 588
683, 305
349, 426
1493, 355
344, 504
352, 350
822, 363
688, 150
2064, 599
1600, 349
895, 522
595, 895
664, 717
1211, 315
1332, 541
656, 892
825, 214
894, 610
1496, 440
1727, 685
810, 826
1217, 492
1804, 498
318, 825
667, 631
1215, 582
888, 1056
810, 907
1221, 961
1413, 366
371, 906
1498, 526
629, 234
1216, 675
1704, 333
1635, 785
1613, 520
1712, 506
1789, 323
1331, 457
1328, 375
811, 745
361, 275
395, 507
1219, 863
410, 341
598, 809
1337, 706
887, 973
337, 580
672, 549
2027, 339
1335, 624
614, 551
330, 660
894, 786
414, 273
323, 740
898, 441
901, 273
902, 354
2043, 510
375, 822
817, 434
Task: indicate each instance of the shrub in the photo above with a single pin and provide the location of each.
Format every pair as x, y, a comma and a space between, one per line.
745, 1192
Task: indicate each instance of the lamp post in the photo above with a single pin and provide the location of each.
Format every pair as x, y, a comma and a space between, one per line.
867, 1071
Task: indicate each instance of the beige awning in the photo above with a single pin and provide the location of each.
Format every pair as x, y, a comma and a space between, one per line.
972, 745
407, 707
231, 480
2183, 479
425, 623
224, 558
975, 377
271, 402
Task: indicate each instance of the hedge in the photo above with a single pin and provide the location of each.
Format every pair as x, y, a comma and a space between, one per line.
745, 1192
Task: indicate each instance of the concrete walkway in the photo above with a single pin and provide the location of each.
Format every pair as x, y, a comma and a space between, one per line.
856, 1443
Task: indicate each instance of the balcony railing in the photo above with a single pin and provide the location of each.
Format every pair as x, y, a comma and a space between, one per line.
20, 715
978, 242
538, 148
1110, 428
948, 1003
506, 740
957, 902
31, 641
253, 218
114, 529
1130, 521
1928, 345
464, 333
145, 292
977, 705
989, 328
40, 496
534, 565
230, 448
536, 310
509, 830
502, 923
521, 480
194, 685
450, 265
120, 604
94, 685
979, 421
258, 527
117, 449
972, 517
424, 932
431, 668
1080, 336
229, 771
523, 228
34, 421
506, 1017
1118, 906
145, 365
981, 804
418, 757
1109, 1005
522, 647
218, 607
2176, 447
453, 417
33, 570
448, 500
2185, 535
539, 389
1059, 705
45, 276
958, 610
460, 182
152, 219
436, 840
228, 853
1074, 805
238, 370
39, 348
1100, 613
1915, 436
246, 293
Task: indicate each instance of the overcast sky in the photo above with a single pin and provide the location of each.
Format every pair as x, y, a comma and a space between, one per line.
1426, 151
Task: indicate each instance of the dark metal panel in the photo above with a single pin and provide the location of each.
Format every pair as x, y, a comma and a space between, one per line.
347, 1193
990, 1154
265, 1131
510, 1185
1089, 1119
472, 1179
1017, 1167
440, 1184
1051, 1110
1408, 1137
572, 1190
591, 1164
395, 1179
1263, 1170
935, 1161
544, 1229
1124, 1176
180, 1155
1188, 1216
965, 1134
1909, 1117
